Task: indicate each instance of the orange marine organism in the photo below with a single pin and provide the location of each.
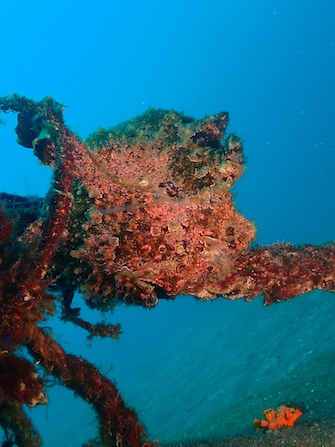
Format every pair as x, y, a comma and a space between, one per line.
275, 419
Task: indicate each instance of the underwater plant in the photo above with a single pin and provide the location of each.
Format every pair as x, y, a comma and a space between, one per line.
136, 213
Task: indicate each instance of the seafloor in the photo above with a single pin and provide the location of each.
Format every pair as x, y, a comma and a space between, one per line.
315, 428
306, 435
198, 373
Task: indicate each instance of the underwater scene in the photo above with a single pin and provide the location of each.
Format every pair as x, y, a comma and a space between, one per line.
167, 223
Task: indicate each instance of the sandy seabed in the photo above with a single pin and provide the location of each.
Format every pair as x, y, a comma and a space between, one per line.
198, 373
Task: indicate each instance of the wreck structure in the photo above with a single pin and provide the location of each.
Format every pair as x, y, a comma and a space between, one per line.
137, 213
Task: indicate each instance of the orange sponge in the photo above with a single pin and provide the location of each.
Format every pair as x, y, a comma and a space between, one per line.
275, 419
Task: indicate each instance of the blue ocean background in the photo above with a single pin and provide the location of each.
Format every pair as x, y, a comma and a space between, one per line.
194, 369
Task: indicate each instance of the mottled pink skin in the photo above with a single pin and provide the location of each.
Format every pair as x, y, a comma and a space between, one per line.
161, 215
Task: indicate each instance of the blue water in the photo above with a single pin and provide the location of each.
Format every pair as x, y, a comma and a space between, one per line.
271, 64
